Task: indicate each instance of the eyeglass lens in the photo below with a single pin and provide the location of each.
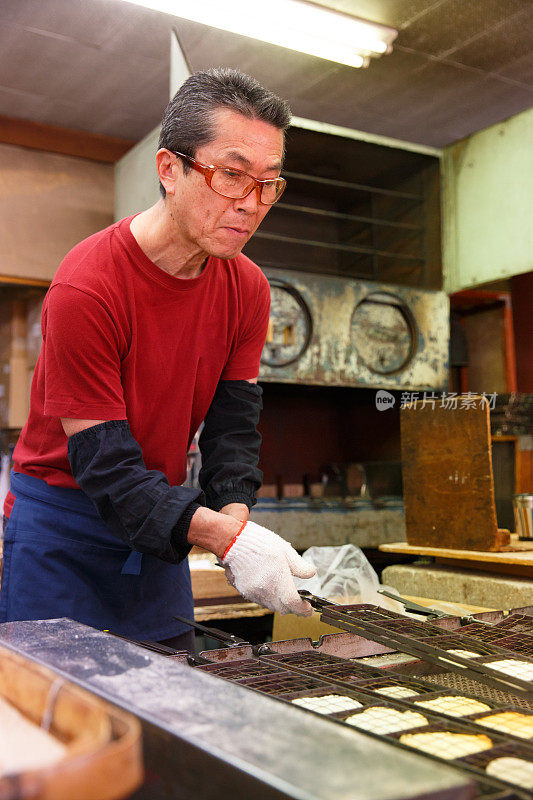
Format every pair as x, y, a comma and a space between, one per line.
232, 183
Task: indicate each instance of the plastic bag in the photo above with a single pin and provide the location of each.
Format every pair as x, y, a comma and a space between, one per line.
344, 574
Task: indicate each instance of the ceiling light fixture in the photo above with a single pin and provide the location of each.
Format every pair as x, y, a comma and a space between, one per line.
294, 24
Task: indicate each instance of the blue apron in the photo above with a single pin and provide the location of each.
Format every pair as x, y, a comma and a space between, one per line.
60, 560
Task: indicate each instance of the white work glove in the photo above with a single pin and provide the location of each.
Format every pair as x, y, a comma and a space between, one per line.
260, 565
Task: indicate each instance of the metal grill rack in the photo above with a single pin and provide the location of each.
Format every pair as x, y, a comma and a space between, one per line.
518, 643
520, 622
445, 749
443, 702
487, 633
313, 675
324, 700
289, 687
390, 679
282, 683
517, 775
326, 683
517, 723
509, 637
428, 650
271, 678
304, 658
312, 683
384, 616
407, 627
410, 721
424, 721
521, 666
465, 685
413, 691
487, 792
378, 610
374, 613
458, 642
397, 688
345, 674
323, 666
426, 697
428, 630
235, 670
448, 748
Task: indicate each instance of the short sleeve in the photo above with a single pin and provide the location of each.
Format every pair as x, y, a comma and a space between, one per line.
81, 353
243, 362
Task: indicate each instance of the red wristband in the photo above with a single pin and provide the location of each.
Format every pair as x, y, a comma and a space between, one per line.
230, 545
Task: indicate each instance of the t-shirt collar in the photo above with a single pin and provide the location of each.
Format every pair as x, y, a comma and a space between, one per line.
148, 267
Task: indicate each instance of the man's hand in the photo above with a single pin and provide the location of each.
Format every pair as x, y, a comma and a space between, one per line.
238, 511
261, 565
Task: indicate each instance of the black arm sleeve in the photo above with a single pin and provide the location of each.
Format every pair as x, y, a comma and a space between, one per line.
138, 504
230, 443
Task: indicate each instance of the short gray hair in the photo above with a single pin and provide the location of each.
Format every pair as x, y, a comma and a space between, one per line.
188, 119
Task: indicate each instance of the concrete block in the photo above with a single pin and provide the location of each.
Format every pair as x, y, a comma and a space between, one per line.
472, 587
324, 528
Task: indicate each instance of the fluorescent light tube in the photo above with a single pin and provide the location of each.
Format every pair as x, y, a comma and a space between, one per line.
294, 24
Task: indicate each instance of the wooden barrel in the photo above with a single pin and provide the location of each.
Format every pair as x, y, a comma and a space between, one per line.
101, 759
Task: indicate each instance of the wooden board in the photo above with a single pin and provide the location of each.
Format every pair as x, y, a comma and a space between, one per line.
447, 476
229, 611
453, 609
522, 557
209, 584
59, 199
212, 584
54, 139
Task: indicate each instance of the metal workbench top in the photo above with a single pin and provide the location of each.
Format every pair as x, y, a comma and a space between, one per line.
207, 738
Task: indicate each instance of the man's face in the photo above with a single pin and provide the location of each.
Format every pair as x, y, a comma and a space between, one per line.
221, 226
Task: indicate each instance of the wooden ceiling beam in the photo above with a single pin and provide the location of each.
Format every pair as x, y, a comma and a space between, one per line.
54, 139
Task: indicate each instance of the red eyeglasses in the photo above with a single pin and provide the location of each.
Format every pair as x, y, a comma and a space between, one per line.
235, 184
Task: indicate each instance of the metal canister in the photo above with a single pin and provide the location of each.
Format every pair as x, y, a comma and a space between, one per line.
523, 514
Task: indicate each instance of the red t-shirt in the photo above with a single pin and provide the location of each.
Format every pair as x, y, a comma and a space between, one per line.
122, 339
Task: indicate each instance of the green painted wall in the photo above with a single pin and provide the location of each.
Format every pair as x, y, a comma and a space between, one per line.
488, 204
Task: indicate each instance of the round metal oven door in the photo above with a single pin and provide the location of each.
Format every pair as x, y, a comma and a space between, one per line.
383, 332
290, 326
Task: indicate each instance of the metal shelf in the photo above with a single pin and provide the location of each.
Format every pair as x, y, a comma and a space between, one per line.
321, 212
346, 248
350, 185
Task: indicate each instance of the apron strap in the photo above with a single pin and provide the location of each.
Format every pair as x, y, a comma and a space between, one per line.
133, 564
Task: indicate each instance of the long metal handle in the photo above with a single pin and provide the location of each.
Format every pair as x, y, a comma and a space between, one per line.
318, 603
411, 606
215, 633
155, 647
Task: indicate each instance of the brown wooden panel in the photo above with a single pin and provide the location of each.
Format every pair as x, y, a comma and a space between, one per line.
522, 297
48, 203
211, 584
13, 280
62, 140
447, 477
484, 330
524, 466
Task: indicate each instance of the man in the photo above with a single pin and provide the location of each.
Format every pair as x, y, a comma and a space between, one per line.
150, 327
